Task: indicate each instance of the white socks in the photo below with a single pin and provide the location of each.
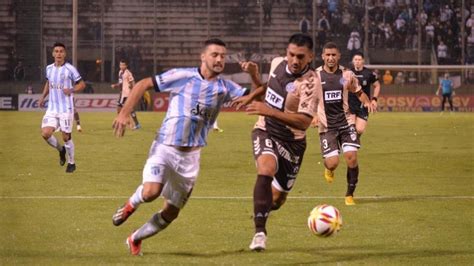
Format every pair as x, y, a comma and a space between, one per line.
152, 227
137, 198
69, 145
53, 142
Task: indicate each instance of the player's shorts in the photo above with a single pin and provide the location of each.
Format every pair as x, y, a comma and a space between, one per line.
121, 101
359, 110
288, 156
334, 140
61, 121
175, 169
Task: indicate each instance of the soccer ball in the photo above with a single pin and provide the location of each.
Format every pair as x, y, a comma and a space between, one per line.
324, 220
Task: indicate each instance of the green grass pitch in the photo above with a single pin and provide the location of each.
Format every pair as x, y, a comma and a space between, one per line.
414, 199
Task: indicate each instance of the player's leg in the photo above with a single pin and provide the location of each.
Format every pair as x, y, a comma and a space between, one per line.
443, 102
330, 150
450, 101
48, 126
65, 124
266, 161
176, 192
135, 120
216, 127
350, 145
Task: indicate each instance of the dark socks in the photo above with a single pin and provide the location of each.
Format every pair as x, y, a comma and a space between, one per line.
262, 201
352, 179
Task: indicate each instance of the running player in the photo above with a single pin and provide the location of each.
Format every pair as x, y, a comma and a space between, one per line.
336, 126
367, 79
125, 83
279, 137
196, 95
62, 81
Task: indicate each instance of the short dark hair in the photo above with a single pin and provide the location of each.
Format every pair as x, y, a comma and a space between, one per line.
359, 54
215, 41
60, 44
123, 61
330, 45
301, 39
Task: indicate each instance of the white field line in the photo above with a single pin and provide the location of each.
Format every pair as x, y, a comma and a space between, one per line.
421, 197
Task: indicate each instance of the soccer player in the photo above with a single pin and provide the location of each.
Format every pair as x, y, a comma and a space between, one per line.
446, 86
125, 83
336, 126
196, 95
62, 81
279, 136
367, 79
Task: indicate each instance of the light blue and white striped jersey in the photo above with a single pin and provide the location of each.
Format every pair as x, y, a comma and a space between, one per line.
194, 104
64, 76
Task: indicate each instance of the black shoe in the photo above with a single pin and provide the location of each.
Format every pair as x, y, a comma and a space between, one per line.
62, 156
70, 168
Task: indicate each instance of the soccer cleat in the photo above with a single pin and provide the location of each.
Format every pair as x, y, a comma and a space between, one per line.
218, 129
350, 201
135, 247
62, 156
328, 175
79, 128
70, 168
137, 126
259, 242
122, 214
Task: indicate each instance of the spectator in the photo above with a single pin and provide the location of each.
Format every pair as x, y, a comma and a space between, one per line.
354, 42
304, 25
29, 90
19, 72
292, 9
400, 79
442, 50
470, 23
430, 32
387, 78
323, 23
412, 77
267, 11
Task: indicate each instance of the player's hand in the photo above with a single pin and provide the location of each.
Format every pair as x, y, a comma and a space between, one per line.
68, 91
241, 101
119, 125
369, 107
259, 108
112, 86
374, 105
437, 93
249, 67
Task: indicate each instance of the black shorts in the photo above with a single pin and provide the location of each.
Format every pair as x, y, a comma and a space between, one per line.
359, 110
334, 140
288, 155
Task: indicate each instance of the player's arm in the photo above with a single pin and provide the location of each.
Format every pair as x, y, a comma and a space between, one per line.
376, 94
439, 88
44, 94
252, 68
363, 98
295, 120
122, 119
80, 85
253, 95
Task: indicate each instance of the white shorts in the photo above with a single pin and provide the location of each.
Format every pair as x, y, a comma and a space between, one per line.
175, 169
62, 121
